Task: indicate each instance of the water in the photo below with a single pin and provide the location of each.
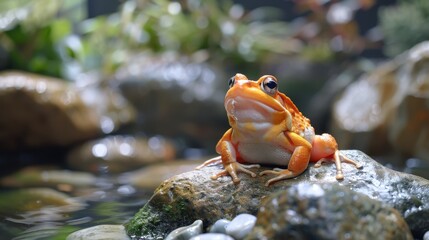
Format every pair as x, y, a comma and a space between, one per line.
105, 203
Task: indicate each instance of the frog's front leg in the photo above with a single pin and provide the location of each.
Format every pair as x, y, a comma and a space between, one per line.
229, 161
298, 163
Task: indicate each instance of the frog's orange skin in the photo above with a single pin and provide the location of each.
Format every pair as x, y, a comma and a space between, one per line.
267, 128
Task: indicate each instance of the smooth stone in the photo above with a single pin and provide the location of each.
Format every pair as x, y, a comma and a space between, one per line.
219, 226
212, 236
151, 176
34, 199
120, 153
39, 111
44, 176
193, 195
187, 232
326, 211
241, 225
100, 232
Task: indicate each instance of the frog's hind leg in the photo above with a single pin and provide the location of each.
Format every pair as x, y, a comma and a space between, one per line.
325, 149
215, 160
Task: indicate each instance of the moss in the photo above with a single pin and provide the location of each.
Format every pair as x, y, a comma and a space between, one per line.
144, 223
155, 221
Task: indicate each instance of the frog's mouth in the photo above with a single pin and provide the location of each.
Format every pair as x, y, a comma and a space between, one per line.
248, 110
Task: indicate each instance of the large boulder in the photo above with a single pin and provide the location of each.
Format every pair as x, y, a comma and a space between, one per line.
40, 111
326, 211
387, 108
194, 195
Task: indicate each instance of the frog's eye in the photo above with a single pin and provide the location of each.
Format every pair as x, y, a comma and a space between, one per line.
269, 85
231, 82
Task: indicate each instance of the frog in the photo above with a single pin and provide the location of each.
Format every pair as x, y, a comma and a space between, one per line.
267, 128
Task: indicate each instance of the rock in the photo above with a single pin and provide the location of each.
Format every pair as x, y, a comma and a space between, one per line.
151, 176
240, 226
166, 88
194, 195
392, 107
43, 176
100, 232
212, 236
39, 111
219, 226
327, 211
187, 232
119, 153
34, 199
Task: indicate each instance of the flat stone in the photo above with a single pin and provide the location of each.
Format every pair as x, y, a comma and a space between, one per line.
120, 153
100, 232
194, 195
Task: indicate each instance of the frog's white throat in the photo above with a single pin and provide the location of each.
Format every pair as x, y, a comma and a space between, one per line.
247, 112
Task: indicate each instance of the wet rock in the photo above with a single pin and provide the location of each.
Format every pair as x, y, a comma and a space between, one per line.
33, 199
120, 153
150, 177
327, 211
387, 108
100, 232
169, 88
186, 232
39, 111
426, 236
194, 195
212, 236
44, 176
240, 226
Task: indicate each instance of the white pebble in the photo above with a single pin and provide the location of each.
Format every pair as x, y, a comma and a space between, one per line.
212, 236
220, 226
241, 225
186, 232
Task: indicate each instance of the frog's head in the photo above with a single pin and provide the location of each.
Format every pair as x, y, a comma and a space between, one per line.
249, 101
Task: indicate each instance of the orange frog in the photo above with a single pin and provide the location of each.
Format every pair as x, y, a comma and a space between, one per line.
267, 128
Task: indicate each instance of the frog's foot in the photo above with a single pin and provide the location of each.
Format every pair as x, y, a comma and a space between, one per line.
215, 160
338, 158
233, 168
281, 175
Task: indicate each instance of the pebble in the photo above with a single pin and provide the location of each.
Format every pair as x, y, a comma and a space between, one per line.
212, 236
186, 232
100, 232
241, 226
219, 226
426, 236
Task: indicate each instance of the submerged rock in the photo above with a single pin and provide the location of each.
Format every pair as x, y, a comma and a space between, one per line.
40, 111
100, 232
33, 199
327, 211
194, 195
120, 153
387, 108
43, 176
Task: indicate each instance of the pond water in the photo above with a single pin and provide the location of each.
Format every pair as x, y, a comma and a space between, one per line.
53, 209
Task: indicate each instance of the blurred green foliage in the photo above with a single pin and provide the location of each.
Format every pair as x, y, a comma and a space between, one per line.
30, 31
405, 25
55, 42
